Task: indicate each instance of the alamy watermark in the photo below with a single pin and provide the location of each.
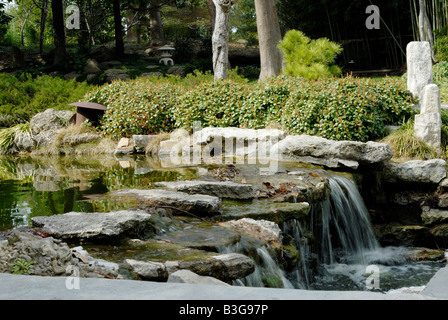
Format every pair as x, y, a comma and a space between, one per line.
373, 280
73, 281
73, 19
374, 19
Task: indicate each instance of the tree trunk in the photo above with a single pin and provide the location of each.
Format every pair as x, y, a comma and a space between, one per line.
269, 36
22, 41
424, 26
131, 34
43, 21
119, 44
59, 31
220, 39
212, 12
157, 37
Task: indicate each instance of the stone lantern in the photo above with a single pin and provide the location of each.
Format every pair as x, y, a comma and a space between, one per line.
166, 55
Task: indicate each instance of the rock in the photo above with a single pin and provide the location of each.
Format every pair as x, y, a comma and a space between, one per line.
124, 146
278, 212
116, 74
406, 235
47, 257
419, 63
186, 276
152, 74
197, 204
92, 66
238, 141
72, 75
443, 200
425, 254
329, 153
24, 142
202, 237
96, 226
433, 217
225, 189
416, 171
50, 120
177, 71
440, 234
141, 141
225, 267
103, 53
153, 271
266, 231
80, 139
110, 64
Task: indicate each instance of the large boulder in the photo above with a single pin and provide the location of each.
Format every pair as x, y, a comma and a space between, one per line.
416, 171
96, 226
50, 120
116, 74
329, 153
224, 189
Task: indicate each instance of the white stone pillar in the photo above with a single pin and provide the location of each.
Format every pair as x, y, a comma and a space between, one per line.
419, 67
428, 124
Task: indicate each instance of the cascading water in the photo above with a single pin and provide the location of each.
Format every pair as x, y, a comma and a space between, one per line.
336, 245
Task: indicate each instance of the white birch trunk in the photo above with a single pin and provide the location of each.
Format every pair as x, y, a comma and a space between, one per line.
220, 39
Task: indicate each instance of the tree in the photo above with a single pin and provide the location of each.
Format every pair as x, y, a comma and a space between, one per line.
119, 44
220, 38
59, 31
425, 26
269, 36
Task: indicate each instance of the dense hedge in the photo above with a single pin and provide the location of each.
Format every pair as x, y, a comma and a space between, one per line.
337, 108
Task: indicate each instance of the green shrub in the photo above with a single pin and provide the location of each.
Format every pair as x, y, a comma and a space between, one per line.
214, 104
140, 106
347, 108
311, 59
24, 96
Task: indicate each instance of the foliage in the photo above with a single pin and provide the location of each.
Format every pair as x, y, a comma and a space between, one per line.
140, 106
441, 79
339, 109
311, 59
21, 266
8, 135
347, 108
23, 96
406, 145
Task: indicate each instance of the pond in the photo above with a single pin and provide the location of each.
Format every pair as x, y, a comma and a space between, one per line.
44, 186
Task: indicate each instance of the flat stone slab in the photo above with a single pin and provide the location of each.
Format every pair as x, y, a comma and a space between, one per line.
417, 171
278, 212
329, 153
224, 189
198, 204
80, 225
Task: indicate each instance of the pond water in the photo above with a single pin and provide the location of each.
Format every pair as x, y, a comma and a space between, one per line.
31, 187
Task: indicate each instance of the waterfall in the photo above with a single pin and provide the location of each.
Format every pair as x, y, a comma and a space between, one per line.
338, 231
344, 226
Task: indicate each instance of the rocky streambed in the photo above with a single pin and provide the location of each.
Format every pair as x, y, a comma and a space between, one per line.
161, 220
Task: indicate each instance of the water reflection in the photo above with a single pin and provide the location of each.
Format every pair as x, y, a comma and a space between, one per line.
36, 186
